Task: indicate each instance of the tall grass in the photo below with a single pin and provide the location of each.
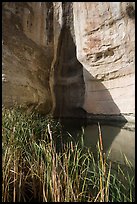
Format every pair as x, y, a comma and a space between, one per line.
34, 169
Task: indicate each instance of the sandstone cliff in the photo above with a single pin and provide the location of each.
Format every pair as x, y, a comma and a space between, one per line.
27, 55
75, 59
105, 39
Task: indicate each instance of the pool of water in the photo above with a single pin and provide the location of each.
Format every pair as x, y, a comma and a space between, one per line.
118, 138
117, 142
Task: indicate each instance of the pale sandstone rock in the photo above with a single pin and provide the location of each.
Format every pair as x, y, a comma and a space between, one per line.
77, 58
27, 56
105, 39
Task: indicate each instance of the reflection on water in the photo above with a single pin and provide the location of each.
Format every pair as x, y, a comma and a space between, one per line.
116, 140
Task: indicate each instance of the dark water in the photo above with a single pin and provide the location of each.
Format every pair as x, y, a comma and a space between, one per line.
118, 138
118, 144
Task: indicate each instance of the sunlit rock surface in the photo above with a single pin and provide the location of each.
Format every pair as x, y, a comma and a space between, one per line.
75, 59
26, 56
105, 39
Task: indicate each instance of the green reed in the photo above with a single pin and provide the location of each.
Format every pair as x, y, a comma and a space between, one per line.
34, 170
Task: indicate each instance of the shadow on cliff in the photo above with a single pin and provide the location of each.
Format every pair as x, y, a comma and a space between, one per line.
69, 93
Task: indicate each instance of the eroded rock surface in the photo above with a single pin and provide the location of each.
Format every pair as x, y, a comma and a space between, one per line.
75, 59
67, 82
27, 55
105, 39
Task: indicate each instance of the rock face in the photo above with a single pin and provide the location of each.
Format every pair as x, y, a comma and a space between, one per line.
67, 82
76, 59
105, 39
27, 56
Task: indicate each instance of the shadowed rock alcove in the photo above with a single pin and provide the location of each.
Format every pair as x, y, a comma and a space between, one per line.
69, 85
69, 92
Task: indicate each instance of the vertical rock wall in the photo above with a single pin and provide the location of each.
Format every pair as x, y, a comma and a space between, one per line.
76, 59
105, 41
67, 81
27, 54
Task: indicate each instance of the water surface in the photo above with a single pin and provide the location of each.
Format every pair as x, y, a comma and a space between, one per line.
118, 138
